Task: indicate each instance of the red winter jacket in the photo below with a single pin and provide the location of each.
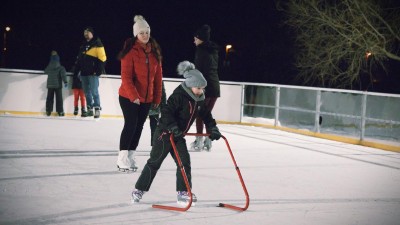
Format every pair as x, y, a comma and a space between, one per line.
140, 79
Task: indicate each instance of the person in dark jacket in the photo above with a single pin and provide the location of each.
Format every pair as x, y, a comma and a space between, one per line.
55, 79
183, 106
206, 61
141, 78
89, 65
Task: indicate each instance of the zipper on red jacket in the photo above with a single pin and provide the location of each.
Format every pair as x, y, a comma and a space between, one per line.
148, 73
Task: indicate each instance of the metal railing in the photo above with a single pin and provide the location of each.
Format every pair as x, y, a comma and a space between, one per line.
356, 114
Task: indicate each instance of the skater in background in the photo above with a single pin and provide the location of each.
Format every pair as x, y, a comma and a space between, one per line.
206, 61
154, 113
78, 94
183, 105
90, 64
56, 77
141, 84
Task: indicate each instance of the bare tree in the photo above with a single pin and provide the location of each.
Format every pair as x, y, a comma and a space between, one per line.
338, 40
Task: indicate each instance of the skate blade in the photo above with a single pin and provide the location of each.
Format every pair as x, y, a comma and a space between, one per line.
207, 149
123, 170
195, 149
184, 204
135, 201
133, 169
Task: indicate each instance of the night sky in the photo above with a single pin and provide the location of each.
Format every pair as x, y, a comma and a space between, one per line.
262, 46
259, 43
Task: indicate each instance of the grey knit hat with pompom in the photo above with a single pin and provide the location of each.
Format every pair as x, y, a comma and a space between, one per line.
193, 77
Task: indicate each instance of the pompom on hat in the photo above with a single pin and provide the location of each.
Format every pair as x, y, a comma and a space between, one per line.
203, 33
193, 77
140, 25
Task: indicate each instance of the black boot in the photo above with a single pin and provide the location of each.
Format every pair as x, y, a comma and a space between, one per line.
84, 113
90, 112
76, 109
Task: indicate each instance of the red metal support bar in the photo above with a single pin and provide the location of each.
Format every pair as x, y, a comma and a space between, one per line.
241, 181
171, 138
187, 182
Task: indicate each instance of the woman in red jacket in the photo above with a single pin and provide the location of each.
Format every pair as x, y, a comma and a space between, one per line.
141, 76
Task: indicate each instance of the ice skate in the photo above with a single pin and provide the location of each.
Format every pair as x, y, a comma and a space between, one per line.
197, 145
123, 164
89, 112
136, 196
132, 160
207, 144
83, 113
76, 110
184, 198
97, 112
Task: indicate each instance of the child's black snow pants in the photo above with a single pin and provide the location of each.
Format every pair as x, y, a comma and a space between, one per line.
161, 148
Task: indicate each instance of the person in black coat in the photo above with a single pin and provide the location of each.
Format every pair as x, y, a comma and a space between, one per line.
183, 106
206, 61
55, 79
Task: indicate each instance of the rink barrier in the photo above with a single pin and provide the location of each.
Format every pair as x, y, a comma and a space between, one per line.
23, 93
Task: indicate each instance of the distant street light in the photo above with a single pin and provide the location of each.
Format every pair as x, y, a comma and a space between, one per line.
3, 61
368, 54
7, 29
227, 48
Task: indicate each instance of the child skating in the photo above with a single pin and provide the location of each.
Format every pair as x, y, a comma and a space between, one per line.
183, 106
78, 94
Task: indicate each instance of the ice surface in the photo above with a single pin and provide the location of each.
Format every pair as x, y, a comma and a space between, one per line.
63, 171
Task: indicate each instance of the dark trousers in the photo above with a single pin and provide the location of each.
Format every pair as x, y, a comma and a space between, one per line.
50, 100
134, 118
209, 104
161, 148
153, 125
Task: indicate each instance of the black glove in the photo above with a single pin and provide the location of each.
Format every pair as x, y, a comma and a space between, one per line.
176, 132
215, 134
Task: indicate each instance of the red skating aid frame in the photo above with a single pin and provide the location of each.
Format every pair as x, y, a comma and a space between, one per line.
187, 182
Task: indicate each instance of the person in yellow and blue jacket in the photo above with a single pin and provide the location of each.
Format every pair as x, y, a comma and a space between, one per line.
89, 65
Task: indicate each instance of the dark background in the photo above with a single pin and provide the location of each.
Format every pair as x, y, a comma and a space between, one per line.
262, 47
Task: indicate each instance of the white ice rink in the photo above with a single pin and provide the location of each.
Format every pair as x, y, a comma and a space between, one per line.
63, 171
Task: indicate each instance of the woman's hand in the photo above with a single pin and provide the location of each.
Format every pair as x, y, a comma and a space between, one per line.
136, 101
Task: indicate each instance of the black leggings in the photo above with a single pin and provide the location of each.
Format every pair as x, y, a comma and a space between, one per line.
153, 125
134, 118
